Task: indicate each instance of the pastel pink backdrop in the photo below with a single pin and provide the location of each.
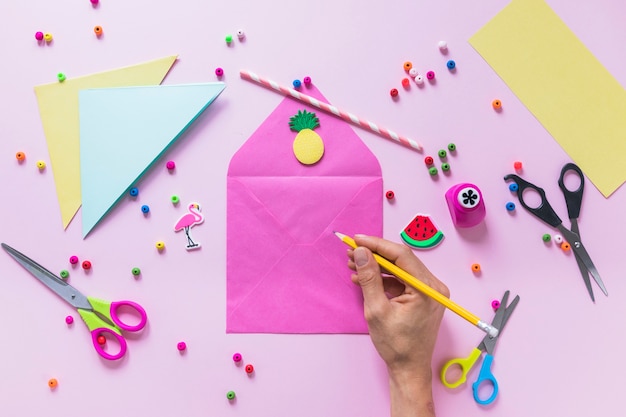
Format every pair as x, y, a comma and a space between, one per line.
559, 354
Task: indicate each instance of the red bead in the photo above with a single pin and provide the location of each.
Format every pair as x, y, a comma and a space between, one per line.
101, 340
249, 369
394, 92
86, 265
405, 82
517, 165
390, 195
429, 160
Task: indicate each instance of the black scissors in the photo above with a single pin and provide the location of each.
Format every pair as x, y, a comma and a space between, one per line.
546, 213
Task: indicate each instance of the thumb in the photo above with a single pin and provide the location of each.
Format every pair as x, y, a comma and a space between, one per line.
369, 278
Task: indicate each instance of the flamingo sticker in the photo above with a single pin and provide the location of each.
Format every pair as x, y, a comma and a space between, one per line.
189, 220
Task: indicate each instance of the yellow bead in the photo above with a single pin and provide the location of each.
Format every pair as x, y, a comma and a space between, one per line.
47, 37
160, 245
41, 165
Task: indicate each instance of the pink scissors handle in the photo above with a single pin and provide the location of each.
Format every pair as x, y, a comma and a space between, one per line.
94, 338
133, 305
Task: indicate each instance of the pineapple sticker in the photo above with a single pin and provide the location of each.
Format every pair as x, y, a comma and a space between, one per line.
308, 146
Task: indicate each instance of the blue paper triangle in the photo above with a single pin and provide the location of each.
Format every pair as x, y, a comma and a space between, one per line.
123, 131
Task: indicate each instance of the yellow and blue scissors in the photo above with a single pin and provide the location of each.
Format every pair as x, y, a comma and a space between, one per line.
100, 316
487, 345
546, 213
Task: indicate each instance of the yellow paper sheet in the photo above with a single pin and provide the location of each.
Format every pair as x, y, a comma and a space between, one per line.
560, 81
58, 108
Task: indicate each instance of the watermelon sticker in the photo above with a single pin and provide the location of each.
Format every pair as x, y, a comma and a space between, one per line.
421, 233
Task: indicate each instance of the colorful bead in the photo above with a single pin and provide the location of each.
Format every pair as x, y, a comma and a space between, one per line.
297, 83
495, 304
101, 340
390, 195
430, 75
64, 274
429, 160
546, 237
134, 192
53, 383
41, 165
69, 320
443, 45
517, 165
497, 104
86, 265
307, 80
39, 36
48, 37
432, 171
451, 65
98, 30
451, 147
241, 34
219, 72
419, 80
160, 245
445, 167
237, 357
94, 2
408, 65
230, 395
249, 369
510, 206
228, 38
145, 209
170, 165
405, 82
476, 268
61, 77
73, 259
394, 92
513, 187
558, 239
565, 246
413, 72
135, 271
442, 153
181, 346
175, 199
20, 156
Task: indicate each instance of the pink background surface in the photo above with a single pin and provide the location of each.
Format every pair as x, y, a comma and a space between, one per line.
559, 354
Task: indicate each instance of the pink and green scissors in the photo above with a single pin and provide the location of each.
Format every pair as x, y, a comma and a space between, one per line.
101, 317
487, 345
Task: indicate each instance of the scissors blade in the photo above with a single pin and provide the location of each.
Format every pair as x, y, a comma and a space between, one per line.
56, 284
499, 321
581, 266
582, 254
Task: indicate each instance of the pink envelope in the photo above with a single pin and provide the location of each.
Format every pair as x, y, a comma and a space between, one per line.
286, 270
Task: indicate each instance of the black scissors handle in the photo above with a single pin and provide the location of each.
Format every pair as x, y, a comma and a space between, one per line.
544, 211
573, 199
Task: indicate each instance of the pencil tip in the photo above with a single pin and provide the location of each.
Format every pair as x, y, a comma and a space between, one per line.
339, 235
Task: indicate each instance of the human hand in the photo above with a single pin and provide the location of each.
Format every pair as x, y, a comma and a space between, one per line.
403, 323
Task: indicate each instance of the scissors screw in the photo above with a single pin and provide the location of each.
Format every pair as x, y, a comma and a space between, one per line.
577, 245
73, 296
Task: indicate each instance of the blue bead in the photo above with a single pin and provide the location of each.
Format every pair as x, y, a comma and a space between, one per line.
145, 209
297, 83
510, 206
451, 64
513, 186
134, 192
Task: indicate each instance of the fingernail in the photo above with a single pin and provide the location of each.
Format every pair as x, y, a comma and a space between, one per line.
360, 257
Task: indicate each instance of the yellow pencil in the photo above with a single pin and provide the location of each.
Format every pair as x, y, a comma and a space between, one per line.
420, 286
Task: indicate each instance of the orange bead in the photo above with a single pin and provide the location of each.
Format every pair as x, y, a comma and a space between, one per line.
476, 267
565, 246
98, 30
408, 65
20, 156
497, 104
53, 383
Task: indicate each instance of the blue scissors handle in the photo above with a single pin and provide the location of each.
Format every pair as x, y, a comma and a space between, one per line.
484, 376
573, 199
543, 211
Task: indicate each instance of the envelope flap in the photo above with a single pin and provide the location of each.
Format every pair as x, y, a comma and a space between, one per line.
269, 151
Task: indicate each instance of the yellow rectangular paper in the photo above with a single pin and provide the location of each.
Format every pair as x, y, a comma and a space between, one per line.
560, 81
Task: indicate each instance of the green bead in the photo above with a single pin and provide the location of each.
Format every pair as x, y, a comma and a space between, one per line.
230, 395
546, 237
136, 271
451, 147
229, 38
61, 77
64, 274
432, 171
445, 166
442, 153
175, 199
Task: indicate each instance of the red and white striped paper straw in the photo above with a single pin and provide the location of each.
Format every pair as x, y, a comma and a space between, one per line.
348, 117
